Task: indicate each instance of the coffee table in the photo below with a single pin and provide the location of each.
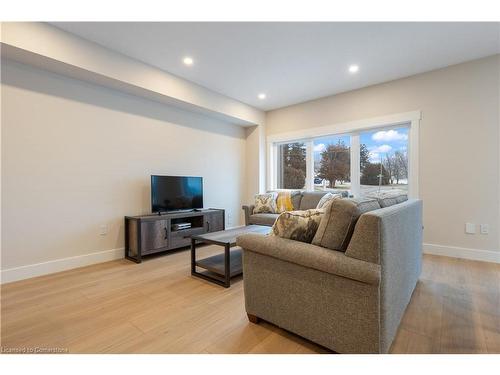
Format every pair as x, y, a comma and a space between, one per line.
222, 267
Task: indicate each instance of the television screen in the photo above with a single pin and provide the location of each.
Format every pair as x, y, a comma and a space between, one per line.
171, 193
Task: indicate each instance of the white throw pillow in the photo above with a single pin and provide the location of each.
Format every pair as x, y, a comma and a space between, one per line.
327, 198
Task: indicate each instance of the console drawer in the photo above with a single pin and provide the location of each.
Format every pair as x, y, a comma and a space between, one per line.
182, 238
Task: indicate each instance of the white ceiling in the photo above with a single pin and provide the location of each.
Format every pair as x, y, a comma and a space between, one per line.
292, 62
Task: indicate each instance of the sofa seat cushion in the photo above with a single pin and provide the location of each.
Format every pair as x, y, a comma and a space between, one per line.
311, 256
339, 220
298, 225
263, 219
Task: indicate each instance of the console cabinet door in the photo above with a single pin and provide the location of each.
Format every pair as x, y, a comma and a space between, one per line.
214, 221
154, 235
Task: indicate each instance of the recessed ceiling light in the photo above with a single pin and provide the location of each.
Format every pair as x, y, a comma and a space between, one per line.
261, 96
188, 60
353, 69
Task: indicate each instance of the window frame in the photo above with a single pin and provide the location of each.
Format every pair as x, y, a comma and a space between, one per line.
411, 120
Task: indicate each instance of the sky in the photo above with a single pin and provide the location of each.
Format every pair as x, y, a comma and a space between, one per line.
379, 142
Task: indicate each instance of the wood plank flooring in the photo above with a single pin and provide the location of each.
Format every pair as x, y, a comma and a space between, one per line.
157, 307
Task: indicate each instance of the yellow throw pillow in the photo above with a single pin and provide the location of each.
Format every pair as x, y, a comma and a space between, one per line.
284, 201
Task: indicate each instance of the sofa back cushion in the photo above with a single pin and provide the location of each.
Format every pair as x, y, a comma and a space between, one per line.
387, 198
298, 225
310, 199
296, 199
339, 220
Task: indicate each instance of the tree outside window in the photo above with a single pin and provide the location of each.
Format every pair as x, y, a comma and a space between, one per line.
332, 162
292, 166
384, 160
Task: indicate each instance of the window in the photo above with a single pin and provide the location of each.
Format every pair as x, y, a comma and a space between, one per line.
291, 166
383, 160
362, 156
332, 163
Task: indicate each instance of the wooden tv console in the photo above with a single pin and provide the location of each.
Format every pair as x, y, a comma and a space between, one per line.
150, 234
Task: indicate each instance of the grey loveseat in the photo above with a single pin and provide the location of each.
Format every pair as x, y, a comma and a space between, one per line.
350, 302
305, 200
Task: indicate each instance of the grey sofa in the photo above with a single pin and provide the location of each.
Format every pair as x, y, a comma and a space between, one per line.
349, 302
305, 200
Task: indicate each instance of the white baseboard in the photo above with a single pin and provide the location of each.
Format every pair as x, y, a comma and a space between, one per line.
64, 264
58, 265
461, 252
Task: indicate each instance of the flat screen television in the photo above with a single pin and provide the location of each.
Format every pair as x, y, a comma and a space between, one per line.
173, 193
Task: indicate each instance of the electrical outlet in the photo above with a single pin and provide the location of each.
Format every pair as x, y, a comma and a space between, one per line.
229, 219
470, 228
103, 230
485, 228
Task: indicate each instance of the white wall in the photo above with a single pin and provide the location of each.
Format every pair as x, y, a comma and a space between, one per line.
48, 47
76, 156
255, 178
459, 143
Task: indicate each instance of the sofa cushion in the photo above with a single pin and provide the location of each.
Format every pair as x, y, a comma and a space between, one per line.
327, 198
310, 199
339, 220
287, 200
387, 198
284, 202
311, 256
296, 198
263, 219
297, 225
265, 203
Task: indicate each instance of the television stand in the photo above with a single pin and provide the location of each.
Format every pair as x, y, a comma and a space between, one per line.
151, 234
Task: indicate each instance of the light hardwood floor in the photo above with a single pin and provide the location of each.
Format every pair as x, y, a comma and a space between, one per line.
157, 307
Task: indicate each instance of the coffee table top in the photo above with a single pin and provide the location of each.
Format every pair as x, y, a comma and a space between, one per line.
228, 237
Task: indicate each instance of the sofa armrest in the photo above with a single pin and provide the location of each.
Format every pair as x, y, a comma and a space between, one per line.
248, 209
392, 237
396, 227
311, 256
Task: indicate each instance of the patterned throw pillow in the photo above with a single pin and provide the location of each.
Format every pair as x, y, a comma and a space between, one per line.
327, 198
298, 225
265, 203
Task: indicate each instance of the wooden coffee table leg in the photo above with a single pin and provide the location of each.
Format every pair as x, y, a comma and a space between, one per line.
253, 318
227, 265
193, 256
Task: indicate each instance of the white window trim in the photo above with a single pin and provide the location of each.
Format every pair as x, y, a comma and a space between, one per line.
412, 119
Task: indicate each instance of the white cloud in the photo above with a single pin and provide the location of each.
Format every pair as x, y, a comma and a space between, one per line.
320, 147
382, 149
375, 152
389, 135
374, 157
